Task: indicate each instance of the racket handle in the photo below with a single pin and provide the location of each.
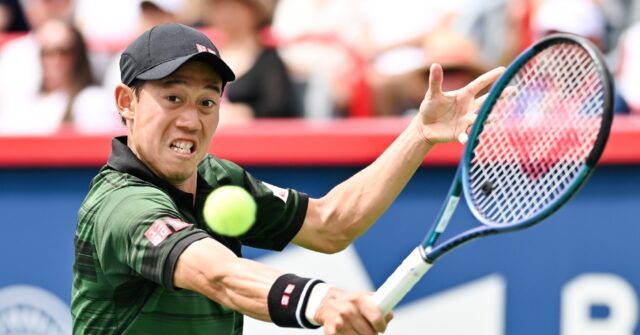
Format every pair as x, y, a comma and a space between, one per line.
401, 281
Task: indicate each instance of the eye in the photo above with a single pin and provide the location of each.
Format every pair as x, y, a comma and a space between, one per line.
208, 103
173, 98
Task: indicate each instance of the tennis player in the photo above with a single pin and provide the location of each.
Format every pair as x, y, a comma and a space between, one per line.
145, 262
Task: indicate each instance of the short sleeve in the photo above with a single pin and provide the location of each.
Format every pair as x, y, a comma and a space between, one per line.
139, 232
281, 211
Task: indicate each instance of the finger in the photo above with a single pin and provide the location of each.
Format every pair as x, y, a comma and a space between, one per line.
478, 102
362, 326
508, 92
373, 314
341, 327
388, 317
466, 123
478, 84
435, 79
463, 138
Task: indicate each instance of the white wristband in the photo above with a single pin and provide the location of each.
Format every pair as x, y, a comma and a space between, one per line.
315, 298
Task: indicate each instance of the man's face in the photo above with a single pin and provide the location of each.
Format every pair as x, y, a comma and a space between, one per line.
173, 119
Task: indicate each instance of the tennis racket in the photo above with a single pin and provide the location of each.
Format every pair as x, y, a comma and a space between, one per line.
535, 142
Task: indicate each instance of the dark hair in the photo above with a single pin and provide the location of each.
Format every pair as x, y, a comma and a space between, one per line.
82, 75
136, 86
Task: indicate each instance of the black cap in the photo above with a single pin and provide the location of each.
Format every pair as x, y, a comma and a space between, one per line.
161, 50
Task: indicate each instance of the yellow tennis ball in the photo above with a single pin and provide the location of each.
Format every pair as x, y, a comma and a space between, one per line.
230, 210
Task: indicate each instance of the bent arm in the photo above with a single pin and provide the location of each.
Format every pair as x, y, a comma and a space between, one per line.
348, 210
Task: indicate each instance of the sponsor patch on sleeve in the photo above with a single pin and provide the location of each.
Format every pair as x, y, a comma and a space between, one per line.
163, 228
281, 193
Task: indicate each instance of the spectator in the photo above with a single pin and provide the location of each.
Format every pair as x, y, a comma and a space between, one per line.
108, 22
12, 17
66, 95
20, 58
320, 41
458, 55
587, 20
155, 12
395, 31
152, 13
628, 70
263, 88
634, 11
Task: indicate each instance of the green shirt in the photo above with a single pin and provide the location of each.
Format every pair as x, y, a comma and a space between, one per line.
133, 226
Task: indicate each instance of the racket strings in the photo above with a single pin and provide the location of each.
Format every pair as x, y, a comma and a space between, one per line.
530, 191
538, 139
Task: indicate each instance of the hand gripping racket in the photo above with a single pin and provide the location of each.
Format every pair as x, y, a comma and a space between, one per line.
536, 140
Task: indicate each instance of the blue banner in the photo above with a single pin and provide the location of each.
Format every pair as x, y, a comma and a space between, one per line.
574, 274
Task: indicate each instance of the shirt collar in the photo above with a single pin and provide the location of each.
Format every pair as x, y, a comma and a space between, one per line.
124, 160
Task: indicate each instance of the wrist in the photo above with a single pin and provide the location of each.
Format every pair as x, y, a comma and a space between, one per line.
419, 128
318, 294
288, 301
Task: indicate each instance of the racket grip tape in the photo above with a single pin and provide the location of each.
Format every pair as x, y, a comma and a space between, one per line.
401, 280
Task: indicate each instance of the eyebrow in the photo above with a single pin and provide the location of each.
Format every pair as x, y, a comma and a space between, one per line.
179, 81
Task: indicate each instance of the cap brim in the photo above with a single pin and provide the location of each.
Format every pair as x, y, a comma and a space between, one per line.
167, 68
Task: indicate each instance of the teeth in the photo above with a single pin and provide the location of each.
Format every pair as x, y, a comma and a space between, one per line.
182, 146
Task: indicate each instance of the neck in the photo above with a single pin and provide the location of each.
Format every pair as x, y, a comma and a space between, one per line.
188, 186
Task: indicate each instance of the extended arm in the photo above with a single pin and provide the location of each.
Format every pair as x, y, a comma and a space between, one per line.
349, 209
211, 269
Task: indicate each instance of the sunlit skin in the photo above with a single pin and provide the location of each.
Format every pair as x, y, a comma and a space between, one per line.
183, 107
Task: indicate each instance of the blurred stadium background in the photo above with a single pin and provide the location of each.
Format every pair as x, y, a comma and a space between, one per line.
342, 78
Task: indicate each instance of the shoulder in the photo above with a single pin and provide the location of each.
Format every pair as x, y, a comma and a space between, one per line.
116, 194
119, 204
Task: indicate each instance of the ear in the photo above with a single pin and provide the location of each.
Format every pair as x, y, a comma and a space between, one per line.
124, 100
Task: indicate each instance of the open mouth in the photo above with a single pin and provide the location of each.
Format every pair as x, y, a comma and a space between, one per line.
183, 147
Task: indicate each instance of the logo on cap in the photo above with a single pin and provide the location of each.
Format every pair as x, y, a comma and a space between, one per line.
202, 48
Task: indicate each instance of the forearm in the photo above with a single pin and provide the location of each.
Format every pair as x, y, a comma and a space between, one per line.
249, 287
240, 284
351, 207
360, 200
266, 294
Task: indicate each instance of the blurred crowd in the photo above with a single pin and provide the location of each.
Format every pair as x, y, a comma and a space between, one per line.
315, 59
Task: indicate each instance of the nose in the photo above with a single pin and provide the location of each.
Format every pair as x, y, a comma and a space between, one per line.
189, 119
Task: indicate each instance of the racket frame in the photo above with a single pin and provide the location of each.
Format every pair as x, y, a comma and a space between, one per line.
421, 258
462, 177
